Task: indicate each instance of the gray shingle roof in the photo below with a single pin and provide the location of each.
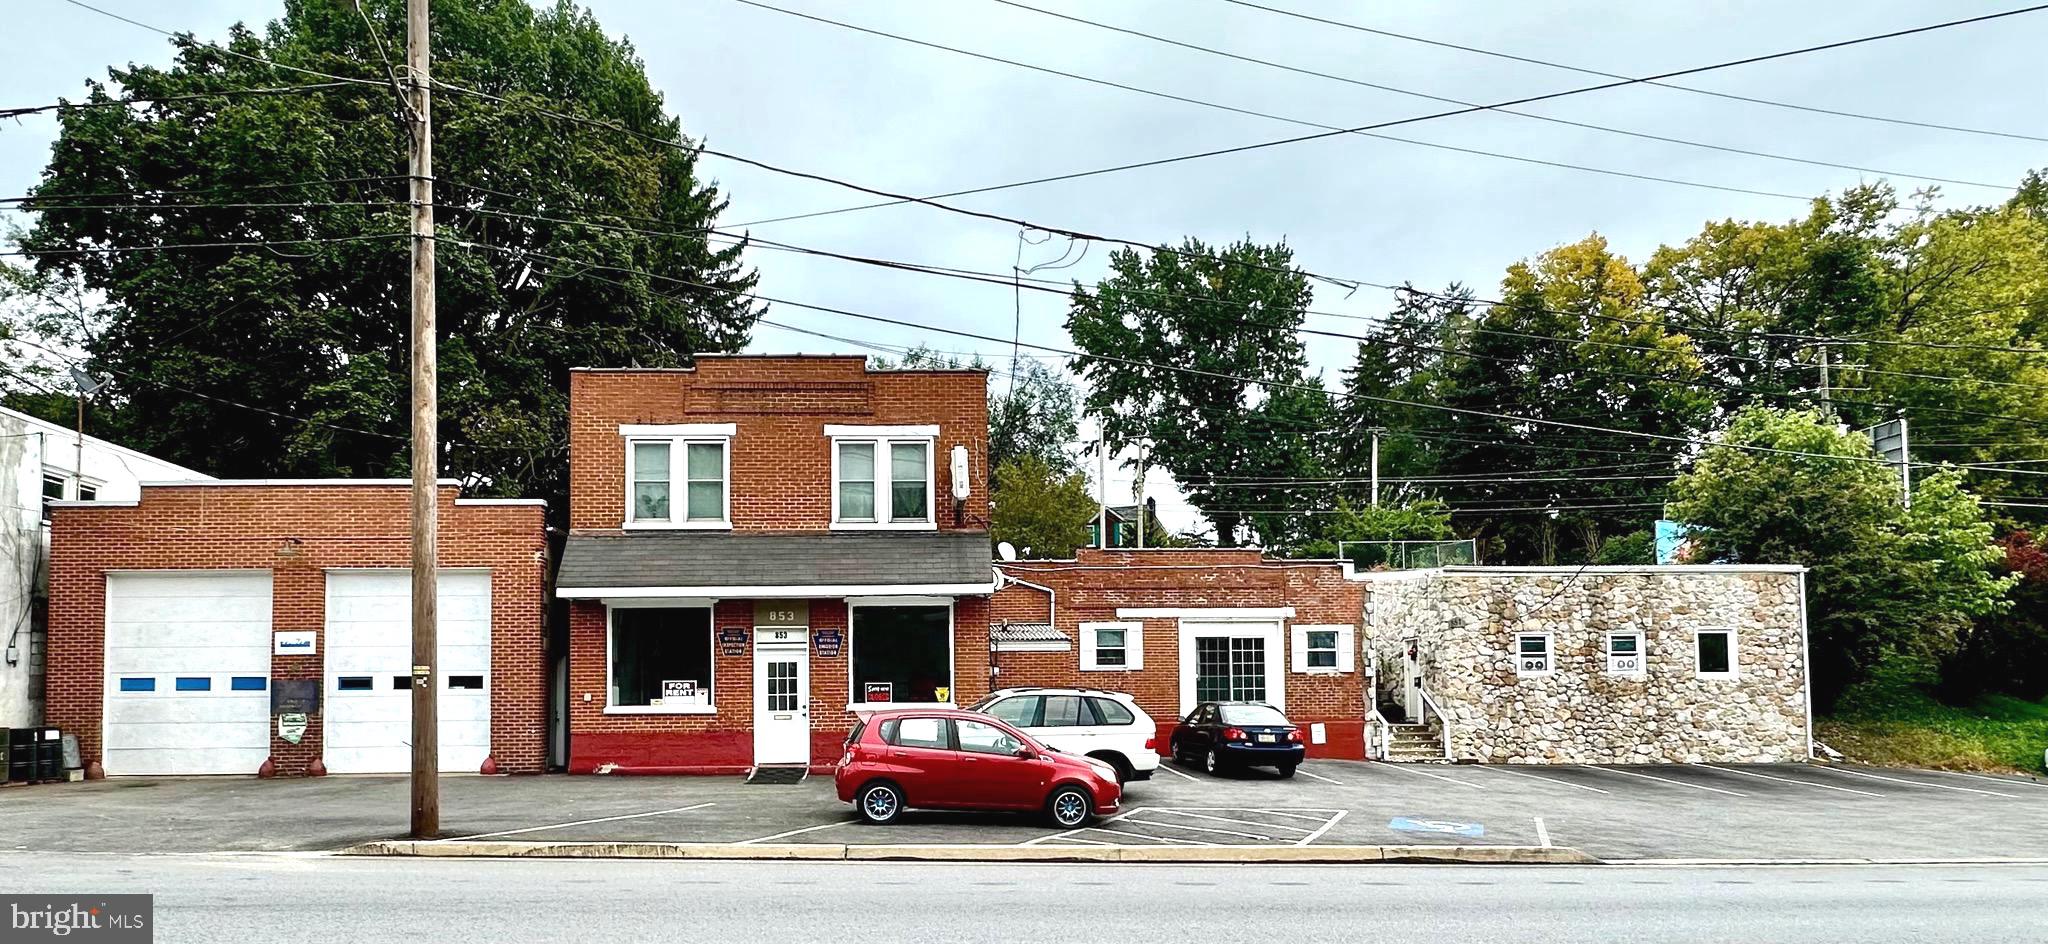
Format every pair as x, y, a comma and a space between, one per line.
1025, 632
725, 559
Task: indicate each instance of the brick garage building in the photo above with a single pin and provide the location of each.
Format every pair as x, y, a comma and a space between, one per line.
175, 618
760, 548
1174, 627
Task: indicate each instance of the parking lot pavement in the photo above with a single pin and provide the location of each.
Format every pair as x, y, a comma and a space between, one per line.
1722, 811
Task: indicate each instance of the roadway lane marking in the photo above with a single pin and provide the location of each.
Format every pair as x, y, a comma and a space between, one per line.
1169, 769
1465, 783
1200, 829
1317, 777
1807, 783
580, 822
1318, 834
1675, 783
1517, 773
1240, 822
806, 829
1542, 835
1916, 783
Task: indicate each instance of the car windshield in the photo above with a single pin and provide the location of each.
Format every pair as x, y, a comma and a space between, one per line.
1250, 714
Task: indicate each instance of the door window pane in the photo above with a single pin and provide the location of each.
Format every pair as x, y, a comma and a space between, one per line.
981, 738
907, 471
1108, 711
652, 645
650, 481
1230, 668
920, 732
1062, 711
909, 649
706, 474
857, 481
1021, 711
781, 686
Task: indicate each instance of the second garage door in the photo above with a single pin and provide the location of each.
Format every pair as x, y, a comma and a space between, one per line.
369, 666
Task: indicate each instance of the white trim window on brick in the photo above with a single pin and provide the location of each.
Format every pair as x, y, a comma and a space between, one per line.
658, 660
882, 477
1714, 654
901, 652
1323, 649
1534, 655
1625, 656
1112, 647
679, 476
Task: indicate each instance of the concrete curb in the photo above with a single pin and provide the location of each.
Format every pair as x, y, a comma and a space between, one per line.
960, 852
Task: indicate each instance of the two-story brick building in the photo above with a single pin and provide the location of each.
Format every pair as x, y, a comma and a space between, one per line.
760, 547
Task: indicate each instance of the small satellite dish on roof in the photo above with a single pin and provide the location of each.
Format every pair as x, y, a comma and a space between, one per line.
1006, 551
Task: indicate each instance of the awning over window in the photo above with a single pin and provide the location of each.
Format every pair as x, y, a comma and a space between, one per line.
727, 565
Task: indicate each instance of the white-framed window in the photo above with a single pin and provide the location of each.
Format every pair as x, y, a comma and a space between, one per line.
1714, 653
1533, 655
1112, 647
659, 660
902, 652
1625, 653
882, 476
1324, 649
679, 476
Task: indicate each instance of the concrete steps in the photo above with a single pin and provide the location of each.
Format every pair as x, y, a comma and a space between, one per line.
1415, 743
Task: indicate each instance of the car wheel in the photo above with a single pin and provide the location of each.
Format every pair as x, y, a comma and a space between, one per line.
1069, 806
879, 803
1286, 771
1212, 763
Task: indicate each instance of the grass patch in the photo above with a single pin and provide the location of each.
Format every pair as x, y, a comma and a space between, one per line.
1891, 722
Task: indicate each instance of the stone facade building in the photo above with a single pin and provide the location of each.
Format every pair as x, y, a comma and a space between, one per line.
1596, 665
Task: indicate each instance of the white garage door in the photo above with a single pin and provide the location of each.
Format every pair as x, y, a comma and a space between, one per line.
369, 671
188, 673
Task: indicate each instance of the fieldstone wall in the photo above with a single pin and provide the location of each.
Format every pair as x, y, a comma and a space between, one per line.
1464, 624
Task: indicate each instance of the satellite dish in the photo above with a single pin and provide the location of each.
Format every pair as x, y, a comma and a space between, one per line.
1006, 551
959, 473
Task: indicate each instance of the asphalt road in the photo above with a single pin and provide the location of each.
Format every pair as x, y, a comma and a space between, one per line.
267, 897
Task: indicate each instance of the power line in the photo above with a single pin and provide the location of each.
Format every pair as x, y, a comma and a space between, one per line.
1210, 50
1332, 129
187, 38
151, 193
168, 99
224, 244
1656, 80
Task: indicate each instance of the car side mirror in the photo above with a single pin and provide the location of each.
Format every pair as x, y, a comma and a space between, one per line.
1024, 751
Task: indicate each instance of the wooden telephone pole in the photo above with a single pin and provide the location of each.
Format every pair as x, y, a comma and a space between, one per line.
426, 747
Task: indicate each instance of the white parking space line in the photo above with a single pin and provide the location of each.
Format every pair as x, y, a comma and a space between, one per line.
1542, 835
1068, 834
580, 822
1166, 839
2008, 781
1318, 834
1494, 769
1919, 783
1808, 783
1675, 783
793, 832
1240, 822
1389, 765
1320, 777
1090, 842
1169, 769
1199, 829
1312, 819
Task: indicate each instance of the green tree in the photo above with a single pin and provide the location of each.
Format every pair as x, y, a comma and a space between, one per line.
1367, 527
1041, 510
1239, 422
1035, 413
1406, 357
308, 318
1885, 583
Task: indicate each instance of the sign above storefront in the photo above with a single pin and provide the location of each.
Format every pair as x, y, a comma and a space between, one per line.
782, 613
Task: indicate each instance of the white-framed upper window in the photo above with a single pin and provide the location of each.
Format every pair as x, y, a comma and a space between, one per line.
679, 476
1112, 647
882, 476
1714, 650
1625, 653
1533, 655
1324, 649
658, 660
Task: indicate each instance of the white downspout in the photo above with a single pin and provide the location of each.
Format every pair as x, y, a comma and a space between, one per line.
1051, 598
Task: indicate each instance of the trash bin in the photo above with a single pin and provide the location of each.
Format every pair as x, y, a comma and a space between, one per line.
21, 755
49, 754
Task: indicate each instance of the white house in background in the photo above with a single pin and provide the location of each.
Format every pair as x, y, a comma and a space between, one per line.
41, 461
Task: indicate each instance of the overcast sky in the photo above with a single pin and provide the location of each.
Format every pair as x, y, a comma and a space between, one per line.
901, 117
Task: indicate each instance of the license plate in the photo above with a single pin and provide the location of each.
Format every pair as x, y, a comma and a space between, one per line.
1268, 738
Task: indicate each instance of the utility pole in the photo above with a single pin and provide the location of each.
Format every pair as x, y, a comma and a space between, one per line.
1827, 402
1144, 510
1102, 491
426, 759
1375, 466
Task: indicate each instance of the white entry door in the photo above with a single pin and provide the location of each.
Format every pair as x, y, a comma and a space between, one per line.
368, 698
187, 673
782, 698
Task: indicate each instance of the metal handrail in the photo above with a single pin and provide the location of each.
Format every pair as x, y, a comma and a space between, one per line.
1443, 720
1376, 725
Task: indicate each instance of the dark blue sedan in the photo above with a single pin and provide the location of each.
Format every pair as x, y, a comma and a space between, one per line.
1222, 735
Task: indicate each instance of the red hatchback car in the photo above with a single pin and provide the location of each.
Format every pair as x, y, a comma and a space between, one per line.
962, 760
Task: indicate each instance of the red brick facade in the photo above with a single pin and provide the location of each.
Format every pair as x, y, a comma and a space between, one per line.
780, 482
296, 531
1094, 586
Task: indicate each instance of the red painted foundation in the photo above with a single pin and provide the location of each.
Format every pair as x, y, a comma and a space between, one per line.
674, 753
